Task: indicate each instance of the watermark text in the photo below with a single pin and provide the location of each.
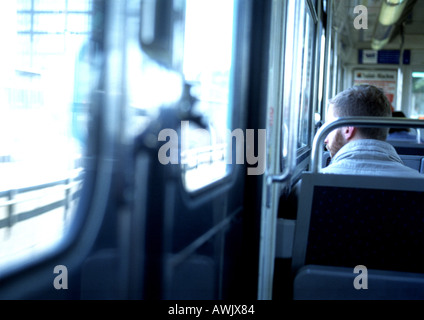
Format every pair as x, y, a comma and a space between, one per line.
361, 20
244, 146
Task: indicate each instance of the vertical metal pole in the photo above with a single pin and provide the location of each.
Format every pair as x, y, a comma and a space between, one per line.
68, 198
10, 210
275, 98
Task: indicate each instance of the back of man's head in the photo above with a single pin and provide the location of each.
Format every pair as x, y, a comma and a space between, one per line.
363, 101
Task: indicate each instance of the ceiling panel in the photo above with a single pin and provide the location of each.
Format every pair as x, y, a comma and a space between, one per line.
344, 16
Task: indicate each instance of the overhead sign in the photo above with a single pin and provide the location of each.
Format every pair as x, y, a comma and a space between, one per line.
369, 57
384, 79
384, 56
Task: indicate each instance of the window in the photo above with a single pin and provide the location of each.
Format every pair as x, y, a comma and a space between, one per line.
298, 76
307, 81
289, 80
201, 59
320, 102
417, 97
207, 68
42, 118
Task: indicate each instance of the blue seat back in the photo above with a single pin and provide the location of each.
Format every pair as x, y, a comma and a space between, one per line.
338, 283
347, 221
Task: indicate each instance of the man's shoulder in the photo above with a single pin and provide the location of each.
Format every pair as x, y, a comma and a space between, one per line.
390, 169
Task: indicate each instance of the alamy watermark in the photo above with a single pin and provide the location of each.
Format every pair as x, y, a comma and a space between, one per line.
361, 281
361, 20
61, 280
244, 146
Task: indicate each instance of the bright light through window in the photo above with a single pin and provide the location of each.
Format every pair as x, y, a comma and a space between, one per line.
418, 74
417, 95
40, 150
207, 67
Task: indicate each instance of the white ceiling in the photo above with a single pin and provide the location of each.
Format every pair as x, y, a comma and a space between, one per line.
343, 18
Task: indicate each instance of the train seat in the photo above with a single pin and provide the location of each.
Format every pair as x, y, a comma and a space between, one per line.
346, 221
338, 283
408, 147
326, 158
412, 161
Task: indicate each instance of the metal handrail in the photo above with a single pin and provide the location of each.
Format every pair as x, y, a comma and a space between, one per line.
65, 184
369, 122
79, 176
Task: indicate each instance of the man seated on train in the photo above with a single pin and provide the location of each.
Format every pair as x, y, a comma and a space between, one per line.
402, 134
359, 150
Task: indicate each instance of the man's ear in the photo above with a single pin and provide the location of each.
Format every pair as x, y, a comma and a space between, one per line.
349, 132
